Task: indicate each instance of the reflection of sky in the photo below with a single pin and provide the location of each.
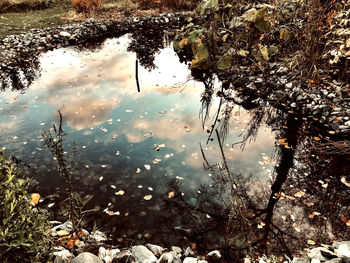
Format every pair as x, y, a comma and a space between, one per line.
110, 122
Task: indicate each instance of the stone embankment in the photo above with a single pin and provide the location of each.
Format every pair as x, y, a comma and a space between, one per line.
95, 248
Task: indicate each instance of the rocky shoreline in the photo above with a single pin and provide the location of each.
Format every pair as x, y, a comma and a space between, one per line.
94, 248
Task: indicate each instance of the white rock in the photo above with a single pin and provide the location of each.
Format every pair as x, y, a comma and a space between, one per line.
344, 250
99, 236
166, 258
102, 252
321, 253
65, 34
188, 252
176, 249
87, 257
190, 260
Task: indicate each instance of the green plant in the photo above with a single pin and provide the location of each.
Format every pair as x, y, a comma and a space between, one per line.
53, 140
23, 228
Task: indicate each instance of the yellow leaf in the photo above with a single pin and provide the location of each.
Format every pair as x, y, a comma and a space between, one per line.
35, 199
171, 195
311, 242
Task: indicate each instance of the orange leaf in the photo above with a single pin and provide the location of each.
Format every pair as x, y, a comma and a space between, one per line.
171, 195
35, 199
70, 243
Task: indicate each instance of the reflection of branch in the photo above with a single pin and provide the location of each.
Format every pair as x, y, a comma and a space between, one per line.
216, 119
222, 152
137, 75
205, 159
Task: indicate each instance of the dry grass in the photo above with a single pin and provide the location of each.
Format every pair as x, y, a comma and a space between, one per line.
86, 6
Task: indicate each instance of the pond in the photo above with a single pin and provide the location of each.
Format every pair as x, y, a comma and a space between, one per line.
139, 151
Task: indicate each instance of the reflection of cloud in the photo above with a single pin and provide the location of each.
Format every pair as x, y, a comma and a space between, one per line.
88, 112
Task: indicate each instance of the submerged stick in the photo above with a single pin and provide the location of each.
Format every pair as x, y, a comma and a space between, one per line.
137, 75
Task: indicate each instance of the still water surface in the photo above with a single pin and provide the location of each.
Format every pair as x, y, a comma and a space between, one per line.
129, 144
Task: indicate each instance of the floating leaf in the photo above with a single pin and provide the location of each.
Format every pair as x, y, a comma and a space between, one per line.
120, 192
147, 197
171, 195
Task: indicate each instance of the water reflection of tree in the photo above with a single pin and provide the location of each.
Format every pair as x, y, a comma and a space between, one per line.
146, 43
240, 218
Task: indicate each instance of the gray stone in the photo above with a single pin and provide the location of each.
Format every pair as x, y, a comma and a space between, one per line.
143, 255
66, 226
86, 257
321, 253
190, 260
124, 256
156, 250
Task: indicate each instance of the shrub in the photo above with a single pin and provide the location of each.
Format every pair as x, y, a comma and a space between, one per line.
86, 6
23, 228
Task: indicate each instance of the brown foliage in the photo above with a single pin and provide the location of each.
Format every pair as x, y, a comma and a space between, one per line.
86, 6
